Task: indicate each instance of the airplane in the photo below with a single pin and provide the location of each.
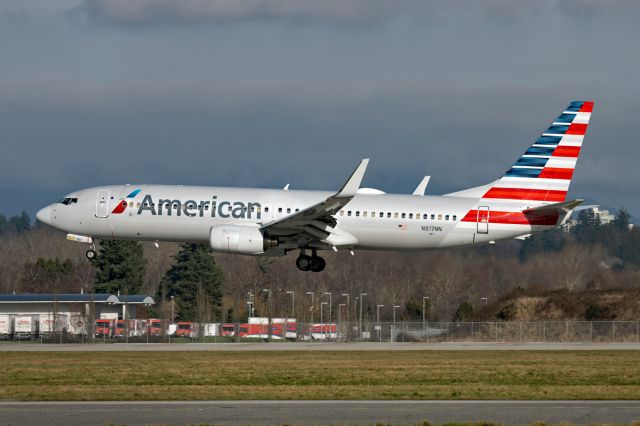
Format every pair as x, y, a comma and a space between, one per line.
529, 197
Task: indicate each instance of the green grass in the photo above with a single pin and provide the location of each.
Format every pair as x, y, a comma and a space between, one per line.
319, 375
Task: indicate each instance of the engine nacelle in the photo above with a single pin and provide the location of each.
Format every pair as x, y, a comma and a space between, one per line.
240, 239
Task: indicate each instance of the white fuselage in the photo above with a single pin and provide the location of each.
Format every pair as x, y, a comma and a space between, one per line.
375, 221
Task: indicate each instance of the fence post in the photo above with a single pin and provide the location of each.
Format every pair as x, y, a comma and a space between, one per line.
613, 331
591, 332
472, 338
520, 332
496, 322
544, 331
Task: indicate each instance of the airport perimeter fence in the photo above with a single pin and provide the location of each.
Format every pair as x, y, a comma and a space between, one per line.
350, 331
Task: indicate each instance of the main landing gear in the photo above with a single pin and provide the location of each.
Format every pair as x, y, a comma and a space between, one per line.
91, 253
313, 263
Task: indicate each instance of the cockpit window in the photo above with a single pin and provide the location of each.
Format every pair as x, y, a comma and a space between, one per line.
68, 200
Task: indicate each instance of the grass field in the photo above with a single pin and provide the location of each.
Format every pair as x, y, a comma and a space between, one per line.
319, 375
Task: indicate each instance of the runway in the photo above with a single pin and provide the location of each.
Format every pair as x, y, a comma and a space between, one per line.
318, 412
312, 346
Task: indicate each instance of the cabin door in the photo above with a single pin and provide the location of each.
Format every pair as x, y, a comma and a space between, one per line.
102, 204
483, 220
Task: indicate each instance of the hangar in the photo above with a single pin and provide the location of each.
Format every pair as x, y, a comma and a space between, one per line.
72, 312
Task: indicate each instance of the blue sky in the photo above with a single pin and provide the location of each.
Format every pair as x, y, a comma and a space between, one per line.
264, 93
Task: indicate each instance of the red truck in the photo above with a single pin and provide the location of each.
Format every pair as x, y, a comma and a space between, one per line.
104, 327
157, 327
187, 329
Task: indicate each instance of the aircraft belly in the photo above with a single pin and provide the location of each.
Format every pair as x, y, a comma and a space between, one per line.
397, 236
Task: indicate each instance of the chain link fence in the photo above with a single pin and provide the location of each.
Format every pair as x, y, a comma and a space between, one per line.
157, 331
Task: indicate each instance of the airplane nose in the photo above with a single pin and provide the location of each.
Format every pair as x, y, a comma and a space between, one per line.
44, 215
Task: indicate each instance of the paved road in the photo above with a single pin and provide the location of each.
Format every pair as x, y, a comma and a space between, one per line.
328, 346
317, 412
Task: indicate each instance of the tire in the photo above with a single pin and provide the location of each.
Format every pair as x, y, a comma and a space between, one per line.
317, 264
91, 254
303, 263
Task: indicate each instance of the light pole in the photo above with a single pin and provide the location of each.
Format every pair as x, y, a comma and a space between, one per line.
170, 322
324, 329
378, 321
310, 293
250, 303
393, 337
360, 322
329, 308
424, 311
340, 317
268, 291
347, 296
293, 303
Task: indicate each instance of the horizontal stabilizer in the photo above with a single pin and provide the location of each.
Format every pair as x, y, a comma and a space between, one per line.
564, 207
557, 213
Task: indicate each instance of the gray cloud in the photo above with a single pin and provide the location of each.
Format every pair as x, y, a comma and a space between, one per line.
311, 136
153, 13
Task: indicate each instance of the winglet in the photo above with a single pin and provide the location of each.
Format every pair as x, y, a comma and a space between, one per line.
422, 186
350, 187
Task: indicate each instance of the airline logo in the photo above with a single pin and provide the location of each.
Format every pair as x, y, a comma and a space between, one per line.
122, 206
543, 173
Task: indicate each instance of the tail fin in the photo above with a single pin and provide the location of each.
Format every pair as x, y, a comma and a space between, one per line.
543, 173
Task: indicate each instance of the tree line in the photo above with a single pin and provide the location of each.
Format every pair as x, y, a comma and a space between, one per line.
452, 284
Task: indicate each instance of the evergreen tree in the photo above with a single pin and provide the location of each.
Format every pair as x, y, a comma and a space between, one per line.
120, 267
464, 312
622, 221
4, 224
588, 229
551, 241
195, 280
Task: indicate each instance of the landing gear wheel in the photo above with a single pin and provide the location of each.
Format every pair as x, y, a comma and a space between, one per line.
303, 262
317, 264
91, 254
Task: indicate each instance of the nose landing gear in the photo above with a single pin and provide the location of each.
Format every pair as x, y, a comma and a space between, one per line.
91, 254
313, 263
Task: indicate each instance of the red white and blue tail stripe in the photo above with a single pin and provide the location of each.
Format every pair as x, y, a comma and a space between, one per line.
543, 173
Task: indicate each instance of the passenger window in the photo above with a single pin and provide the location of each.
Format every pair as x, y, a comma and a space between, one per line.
266, 209
364, 213
381, 214
439, 217
357, 213
455, 217
389, 215
433, 216
417, 215
404, 215
425, 216
279, 209
446, 217
395, 215
349, 213
297, 210
289, 210
410, 215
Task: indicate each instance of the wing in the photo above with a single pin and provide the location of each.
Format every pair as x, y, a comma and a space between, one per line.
316, 223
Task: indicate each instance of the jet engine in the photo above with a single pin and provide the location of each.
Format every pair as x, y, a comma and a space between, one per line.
240, 239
